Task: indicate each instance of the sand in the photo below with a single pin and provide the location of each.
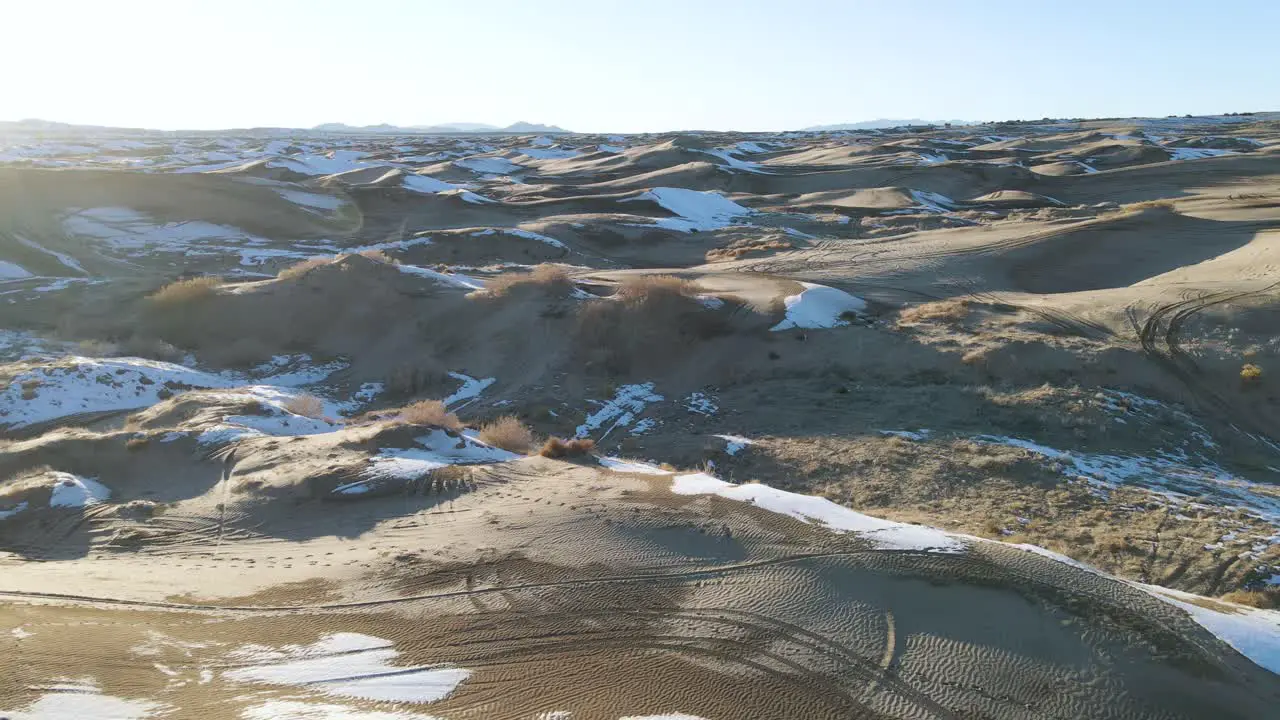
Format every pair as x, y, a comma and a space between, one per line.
890, 424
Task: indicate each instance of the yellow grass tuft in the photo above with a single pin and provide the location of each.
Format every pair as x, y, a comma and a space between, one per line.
185, 292
1250, 373
953, 310
508, 433
547, 276
430, 412
299, 269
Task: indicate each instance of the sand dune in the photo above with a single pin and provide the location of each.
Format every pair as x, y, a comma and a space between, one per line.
939, 423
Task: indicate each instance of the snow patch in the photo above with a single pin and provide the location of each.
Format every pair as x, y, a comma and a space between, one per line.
884, 534
696, 210
347, 664
735, 444
819, 306
628, 401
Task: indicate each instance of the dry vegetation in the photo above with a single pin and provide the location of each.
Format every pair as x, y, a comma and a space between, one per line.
305, 405
429, 412
649, 319
557, 448
745, 247
1268, 599
302, 268
548, 277
1250, 373
508, 433
185, 292
950, 311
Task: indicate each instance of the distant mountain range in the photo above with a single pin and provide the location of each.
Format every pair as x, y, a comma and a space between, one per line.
884, 123
461, 127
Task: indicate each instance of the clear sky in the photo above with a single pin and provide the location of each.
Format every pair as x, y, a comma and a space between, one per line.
630, 65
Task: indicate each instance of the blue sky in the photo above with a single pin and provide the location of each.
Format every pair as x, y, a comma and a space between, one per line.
624, 66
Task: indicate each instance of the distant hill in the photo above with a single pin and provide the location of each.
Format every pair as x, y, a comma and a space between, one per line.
884, 123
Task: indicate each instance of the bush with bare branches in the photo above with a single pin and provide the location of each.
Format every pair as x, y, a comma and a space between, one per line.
308, 406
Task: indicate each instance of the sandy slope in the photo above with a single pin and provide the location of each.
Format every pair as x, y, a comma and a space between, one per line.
1015, 336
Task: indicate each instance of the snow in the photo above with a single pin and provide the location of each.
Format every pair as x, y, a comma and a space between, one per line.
456, 280
437, 449
526, 234
490, 165
819, 306
136, 234
628, 401
1178, 477
884, 534
613, 149
76, 492
12, 271
726, 154
293, 710
80, 703
61, 257
1196, 153
76, 385
735, 444
471, 388
348, 664
631, 466
549, 153
916, 435
701, 403
696, 210
1252, 632
311, 200
427, 184
333, 163
6, 514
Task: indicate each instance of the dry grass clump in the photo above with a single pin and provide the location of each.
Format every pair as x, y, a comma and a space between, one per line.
185, 292
429, 412
305, 405
557, 448
548, 277
1250, 373
299, 269
643, 287
953, 310
740, 248
1149, 205
1266, 599
649, 320
508, 433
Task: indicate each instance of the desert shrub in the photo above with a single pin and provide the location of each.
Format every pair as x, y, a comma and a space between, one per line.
508, 433
1250, 373
557, 448
137, 443
305, 405
181, 312
297, 270
185, 292
154, 348
430, 412
645, 287
549, 277
740, 248
952, 310
650, 319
